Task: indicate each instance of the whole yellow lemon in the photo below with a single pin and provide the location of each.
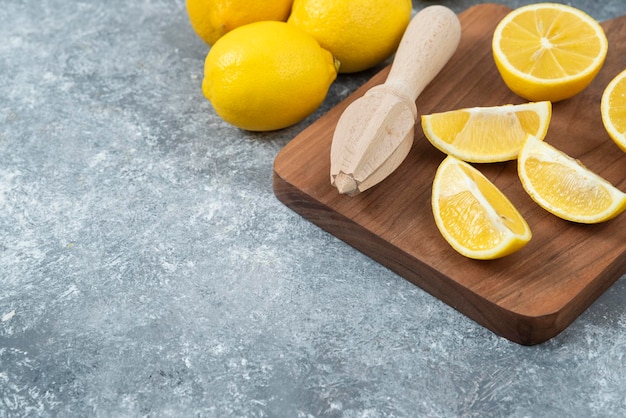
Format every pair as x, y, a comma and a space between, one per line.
360, 34
267, 75
211, 19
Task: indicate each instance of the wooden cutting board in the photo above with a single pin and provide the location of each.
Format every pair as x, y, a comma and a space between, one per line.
528, 297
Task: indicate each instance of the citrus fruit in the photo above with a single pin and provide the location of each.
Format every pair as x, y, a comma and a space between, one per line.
613, 109
211, 19
566, 188
267, 75
473, 215
487, 134
359, 34
548, 51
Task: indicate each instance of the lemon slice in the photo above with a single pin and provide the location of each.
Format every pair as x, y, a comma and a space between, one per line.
566, 188
613, 108
487, 134
548, 51
473, 215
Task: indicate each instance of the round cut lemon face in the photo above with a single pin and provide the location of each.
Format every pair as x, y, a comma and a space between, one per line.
548, 51
566, 188
473, 215
487, 134
613, 109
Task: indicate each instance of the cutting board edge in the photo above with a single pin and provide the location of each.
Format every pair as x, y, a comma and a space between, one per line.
516, 327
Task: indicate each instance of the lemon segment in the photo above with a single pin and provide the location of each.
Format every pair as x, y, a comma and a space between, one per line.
473, 215
487, 134
613, 109
359, 34
548, 51
566, 188
267, 75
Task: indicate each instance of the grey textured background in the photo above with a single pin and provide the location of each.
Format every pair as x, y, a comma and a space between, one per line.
146, 268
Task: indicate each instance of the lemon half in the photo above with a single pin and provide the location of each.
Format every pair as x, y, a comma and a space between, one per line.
548, 51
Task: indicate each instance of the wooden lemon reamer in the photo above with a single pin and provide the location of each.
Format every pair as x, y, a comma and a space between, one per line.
375, 133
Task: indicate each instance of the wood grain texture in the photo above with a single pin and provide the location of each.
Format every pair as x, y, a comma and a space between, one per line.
528, 297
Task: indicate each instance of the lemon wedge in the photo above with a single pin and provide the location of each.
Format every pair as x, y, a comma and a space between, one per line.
565, 187
487, 134
473, 215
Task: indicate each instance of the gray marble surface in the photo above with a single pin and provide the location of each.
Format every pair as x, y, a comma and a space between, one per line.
146, 268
